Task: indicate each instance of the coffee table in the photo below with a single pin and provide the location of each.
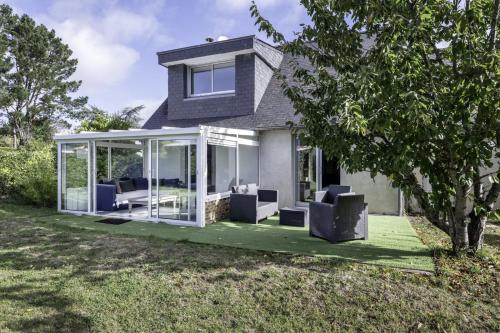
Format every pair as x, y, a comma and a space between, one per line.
292, 217
144, 201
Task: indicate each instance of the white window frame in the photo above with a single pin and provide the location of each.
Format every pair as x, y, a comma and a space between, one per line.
212, 66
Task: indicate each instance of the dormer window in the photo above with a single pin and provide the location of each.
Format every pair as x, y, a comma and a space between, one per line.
211, 79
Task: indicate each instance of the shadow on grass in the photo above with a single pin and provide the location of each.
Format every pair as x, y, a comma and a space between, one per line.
57, 314
56, 257
492, 239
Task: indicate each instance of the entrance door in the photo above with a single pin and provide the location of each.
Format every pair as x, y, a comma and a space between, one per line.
330, 171
306, 182
173, 180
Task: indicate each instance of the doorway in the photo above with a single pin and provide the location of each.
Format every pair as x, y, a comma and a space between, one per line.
173, 180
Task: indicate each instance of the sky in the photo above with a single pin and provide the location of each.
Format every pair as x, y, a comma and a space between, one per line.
115, 41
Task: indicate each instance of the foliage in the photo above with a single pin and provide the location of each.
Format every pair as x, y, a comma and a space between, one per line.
36, 92
95, 119
405, 88
29, 174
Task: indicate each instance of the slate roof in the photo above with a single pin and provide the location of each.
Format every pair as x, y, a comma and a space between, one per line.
274, 110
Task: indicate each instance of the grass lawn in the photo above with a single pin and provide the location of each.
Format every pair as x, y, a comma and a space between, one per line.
55, 278
392, 241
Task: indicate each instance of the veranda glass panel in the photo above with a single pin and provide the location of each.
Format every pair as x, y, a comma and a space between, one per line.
176, 177
249, 164
127, 162
306, 172
154, 176
102, 162
221, 168
74, 176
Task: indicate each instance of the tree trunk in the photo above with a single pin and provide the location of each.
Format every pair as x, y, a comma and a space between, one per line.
14, 138
476, 229
477, 223
459, 234
24, 136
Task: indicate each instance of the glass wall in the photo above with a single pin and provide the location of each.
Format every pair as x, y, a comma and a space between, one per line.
74, 176
127, 162
221, 168
306, 181
248, 161
174, 180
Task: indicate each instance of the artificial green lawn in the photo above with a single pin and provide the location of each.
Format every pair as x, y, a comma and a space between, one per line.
392, 241
55, 278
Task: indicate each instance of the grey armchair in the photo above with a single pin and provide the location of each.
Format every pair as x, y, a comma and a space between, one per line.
250, 204
338, 215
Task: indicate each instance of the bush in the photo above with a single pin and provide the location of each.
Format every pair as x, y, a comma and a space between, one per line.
29, 174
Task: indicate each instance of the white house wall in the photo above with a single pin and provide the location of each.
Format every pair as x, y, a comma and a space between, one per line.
381, 197
276, 172
276, 165
249, 164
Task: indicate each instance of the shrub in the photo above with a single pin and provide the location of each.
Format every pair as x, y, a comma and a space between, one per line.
29, 174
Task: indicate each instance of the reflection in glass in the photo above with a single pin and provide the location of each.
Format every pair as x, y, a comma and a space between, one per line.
74, 176
224, 76
174, 178
306, 172
221, 168
201, 80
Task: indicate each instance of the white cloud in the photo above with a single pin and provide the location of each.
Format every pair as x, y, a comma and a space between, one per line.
234, 5
104, 35
293, 16
223, 26
126, 26
101, 61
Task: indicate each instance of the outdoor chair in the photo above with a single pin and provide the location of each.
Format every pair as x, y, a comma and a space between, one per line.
338, 215
251, 204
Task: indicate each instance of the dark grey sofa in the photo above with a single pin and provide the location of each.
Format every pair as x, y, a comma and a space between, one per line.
338, 215
250, 204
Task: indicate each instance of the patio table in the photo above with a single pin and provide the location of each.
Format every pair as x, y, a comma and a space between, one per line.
143, 200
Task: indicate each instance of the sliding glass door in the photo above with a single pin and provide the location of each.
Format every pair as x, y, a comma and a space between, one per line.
75, 195
306, 177
173, 180
313, 172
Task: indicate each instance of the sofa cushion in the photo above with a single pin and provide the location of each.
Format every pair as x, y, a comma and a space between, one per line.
140, 183
334, 190
127, 185
113, 182
245, 189
173, 182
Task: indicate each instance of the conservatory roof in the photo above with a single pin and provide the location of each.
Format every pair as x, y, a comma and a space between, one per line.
147, 133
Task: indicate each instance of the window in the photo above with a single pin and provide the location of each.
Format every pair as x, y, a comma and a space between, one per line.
221, 168
212, 79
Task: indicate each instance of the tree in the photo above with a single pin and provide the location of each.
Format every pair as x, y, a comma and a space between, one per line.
403, 88
97, 120
38, 89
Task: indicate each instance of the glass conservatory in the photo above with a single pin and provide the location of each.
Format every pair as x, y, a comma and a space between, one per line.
164, 175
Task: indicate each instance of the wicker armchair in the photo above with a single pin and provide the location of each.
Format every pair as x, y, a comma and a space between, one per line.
338, 215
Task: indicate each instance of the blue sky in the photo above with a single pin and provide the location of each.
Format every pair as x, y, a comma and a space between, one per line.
116, 41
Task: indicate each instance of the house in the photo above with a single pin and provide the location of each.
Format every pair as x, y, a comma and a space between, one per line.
224, 123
